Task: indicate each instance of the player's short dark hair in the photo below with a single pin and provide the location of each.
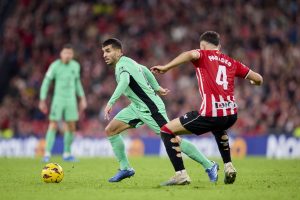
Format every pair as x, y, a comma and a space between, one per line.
211, 37
114, 42
68, 46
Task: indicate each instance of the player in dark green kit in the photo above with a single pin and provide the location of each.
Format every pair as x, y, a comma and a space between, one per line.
66, 74
137, 83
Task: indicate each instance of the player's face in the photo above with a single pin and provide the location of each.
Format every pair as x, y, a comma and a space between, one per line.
66, 55
111, 55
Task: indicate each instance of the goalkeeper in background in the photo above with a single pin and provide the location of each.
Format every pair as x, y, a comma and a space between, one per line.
67, 86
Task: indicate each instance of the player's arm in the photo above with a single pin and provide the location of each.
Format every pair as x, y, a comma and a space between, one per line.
80, 92
255, 78
182, 58
151, 79
244, 72
45, 87
153, 82
124, 81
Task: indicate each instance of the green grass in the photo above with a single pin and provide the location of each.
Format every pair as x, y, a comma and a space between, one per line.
258, 178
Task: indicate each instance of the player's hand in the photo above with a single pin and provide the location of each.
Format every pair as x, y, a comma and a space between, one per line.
163, 91
160, 69
43, 106
107, 111
82, 104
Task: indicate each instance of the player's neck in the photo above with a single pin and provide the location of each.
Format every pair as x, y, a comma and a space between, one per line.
64, 62
117, 60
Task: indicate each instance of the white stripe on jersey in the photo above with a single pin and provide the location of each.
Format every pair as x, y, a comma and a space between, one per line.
204, 107
224, 108
201, 91
232, 108
213, 107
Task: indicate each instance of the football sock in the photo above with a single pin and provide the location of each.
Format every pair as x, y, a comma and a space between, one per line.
223, 145
172, 148
191, 151
50, 139
118, 147
68, 139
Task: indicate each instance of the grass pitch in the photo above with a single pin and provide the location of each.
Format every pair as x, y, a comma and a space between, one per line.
258, 178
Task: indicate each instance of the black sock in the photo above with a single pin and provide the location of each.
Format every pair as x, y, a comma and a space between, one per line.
223, 144
174, 155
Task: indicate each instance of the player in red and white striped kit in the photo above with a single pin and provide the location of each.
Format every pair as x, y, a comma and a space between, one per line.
215, 72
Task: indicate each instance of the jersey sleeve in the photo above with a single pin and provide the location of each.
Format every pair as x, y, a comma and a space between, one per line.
151, 79
123, 83
196, 63
50, 75
241, 70
78, 85
51, 71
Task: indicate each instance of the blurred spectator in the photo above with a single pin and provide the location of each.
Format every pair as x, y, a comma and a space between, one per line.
262, 34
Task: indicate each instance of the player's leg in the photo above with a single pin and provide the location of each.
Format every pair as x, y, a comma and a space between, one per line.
71, 117
69, 130
186, 147
50, 139
189, 123
168, 134
192, 152
113, 130
54, 117
125, 119
222, 140
224, 148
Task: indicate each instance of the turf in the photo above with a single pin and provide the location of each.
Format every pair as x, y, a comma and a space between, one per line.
258, 178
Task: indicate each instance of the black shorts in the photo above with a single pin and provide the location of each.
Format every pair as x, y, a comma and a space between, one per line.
197, 124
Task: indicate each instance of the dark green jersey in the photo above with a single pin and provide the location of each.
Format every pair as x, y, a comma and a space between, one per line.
67, 80
137, 83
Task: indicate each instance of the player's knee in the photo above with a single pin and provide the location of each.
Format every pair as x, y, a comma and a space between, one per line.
70, 127
165, 129
109, 131
53, 126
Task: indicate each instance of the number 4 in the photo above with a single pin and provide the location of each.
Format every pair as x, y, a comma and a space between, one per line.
221, 78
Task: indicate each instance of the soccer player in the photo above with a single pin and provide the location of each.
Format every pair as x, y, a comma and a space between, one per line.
66, 74
137, 83
215, 72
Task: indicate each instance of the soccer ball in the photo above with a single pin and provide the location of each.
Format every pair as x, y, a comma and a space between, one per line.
52, 173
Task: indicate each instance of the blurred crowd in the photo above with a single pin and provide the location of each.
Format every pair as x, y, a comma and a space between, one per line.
264, 35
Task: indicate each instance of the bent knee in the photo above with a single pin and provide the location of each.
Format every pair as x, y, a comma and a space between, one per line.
53, 126
109, 130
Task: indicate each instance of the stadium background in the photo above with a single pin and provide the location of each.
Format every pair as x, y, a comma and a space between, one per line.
264, 35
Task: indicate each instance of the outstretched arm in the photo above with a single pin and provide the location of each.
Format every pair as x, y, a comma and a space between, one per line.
150, 77
182, 58
255, 78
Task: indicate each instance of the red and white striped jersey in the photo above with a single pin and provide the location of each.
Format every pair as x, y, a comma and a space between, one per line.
215, 73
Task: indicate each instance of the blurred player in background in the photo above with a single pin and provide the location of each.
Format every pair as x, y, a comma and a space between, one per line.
66, 75
137, 83
215, 73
